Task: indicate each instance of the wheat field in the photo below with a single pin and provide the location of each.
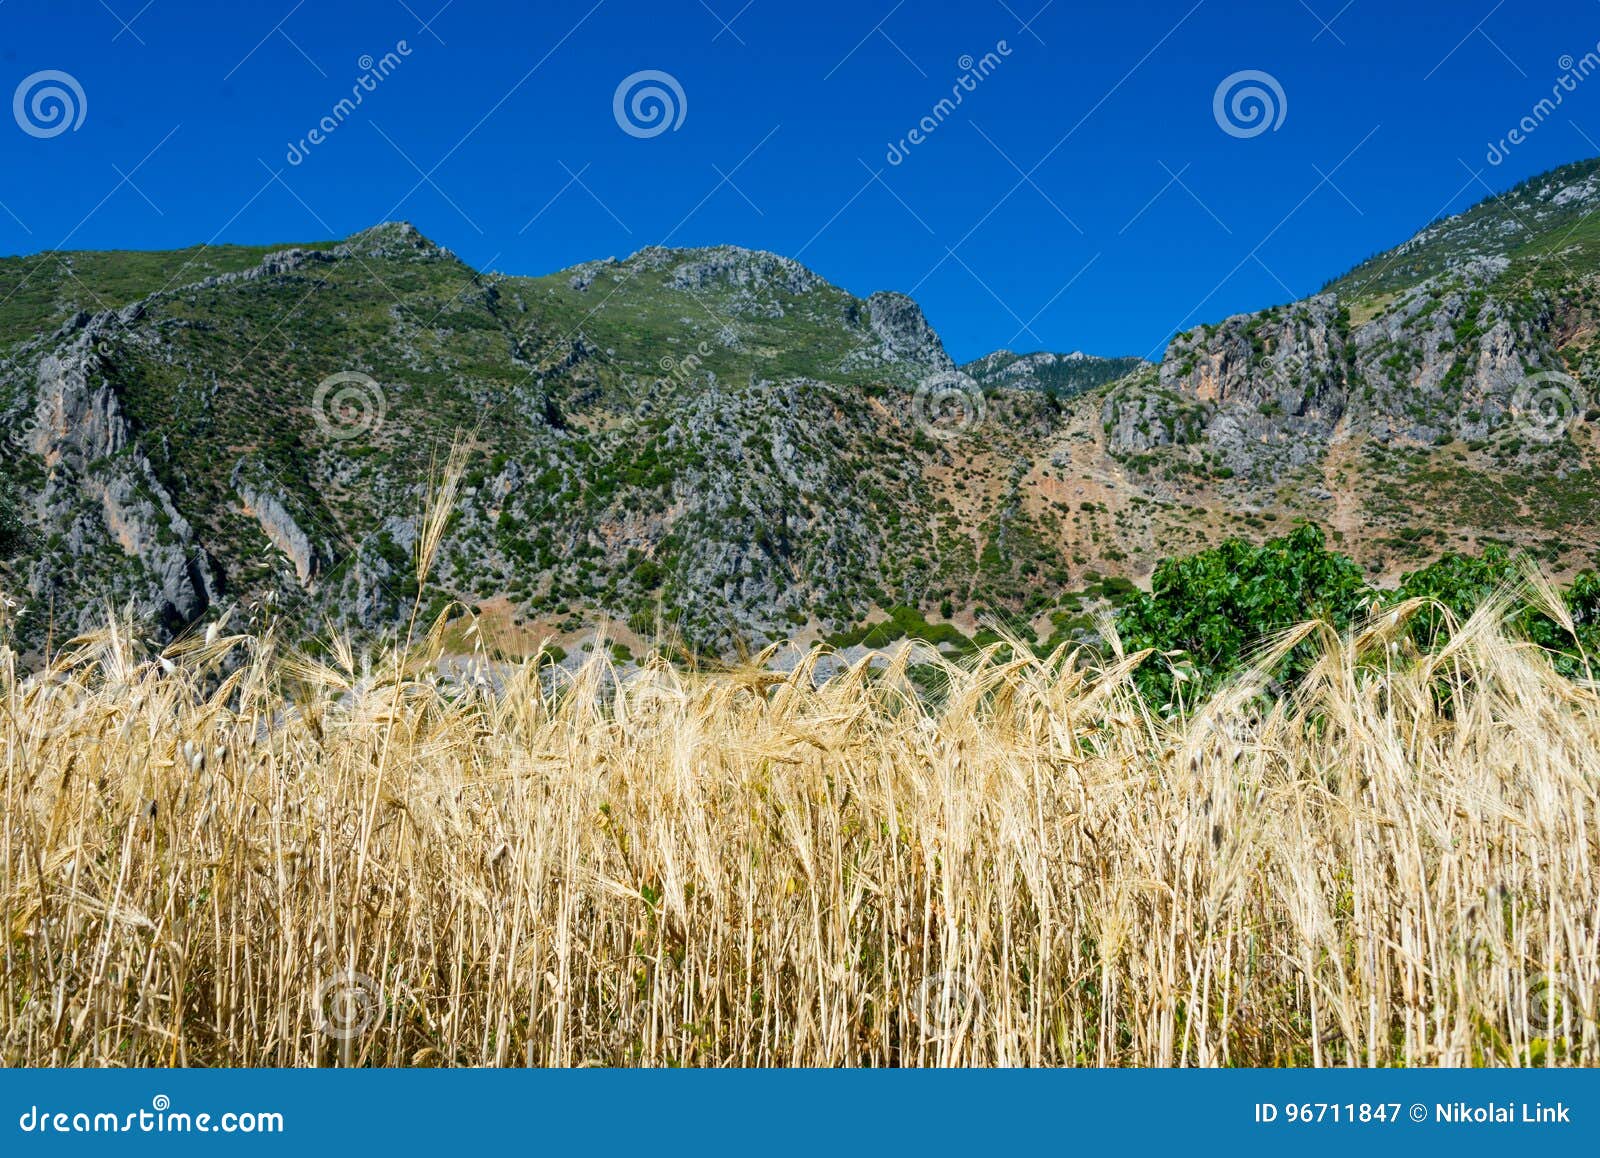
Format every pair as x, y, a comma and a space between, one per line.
226, 854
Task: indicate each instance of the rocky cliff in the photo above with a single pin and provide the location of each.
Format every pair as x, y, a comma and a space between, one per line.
719, 445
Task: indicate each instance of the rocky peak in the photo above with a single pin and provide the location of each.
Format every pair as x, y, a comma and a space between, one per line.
732, 266
1061, 375
393, 241
904, 333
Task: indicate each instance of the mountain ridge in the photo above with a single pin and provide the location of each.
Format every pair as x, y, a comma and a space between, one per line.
717, 443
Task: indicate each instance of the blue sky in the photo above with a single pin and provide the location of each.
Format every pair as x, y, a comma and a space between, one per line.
1083, 195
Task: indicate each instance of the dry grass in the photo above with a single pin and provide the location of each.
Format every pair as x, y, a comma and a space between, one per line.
1399, 866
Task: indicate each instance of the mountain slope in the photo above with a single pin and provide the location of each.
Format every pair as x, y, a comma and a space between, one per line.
715, 441
718, 444
1058, 375
1437, 396
1547, 220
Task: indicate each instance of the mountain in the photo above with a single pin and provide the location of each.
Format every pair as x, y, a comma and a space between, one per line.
1544, 223
718, 443
715, 441
1058, 375
1437, 396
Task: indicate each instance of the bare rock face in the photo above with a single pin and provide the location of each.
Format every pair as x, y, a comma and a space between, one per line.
1279, 387
276, 264
728, 265
86, 445
904, 334
141, 518
75, 419
582, 276
1275, 383
266, 504
1141, 416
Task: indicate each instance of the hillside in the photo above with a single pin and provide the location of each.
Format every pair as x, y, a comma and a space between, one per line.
1058, 375
713, 442
1440, 395
1546, 220
718, 444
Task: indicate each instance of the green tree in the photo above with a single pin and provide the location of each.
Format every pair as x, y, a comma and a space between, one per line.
1459, 584
1215, 606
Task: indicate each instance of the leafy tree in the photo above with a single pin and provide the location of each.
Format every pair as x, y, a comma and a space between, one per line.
1214, 606
1461, 583
1210, 609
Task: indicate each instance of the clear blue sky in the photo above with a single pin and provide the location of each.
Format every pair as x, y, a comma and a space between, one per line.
1082, 195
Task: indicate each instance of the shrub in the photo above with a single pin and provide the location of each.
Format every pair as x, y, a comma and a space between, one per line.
1213, 607
1461, 583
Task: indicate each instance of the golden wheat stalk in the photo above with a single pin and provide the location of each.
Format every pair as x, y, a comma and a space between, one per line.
222, 855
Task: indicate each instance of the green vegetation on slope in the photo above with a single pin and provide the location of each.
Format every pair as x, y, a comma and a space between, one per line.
42, 290
1530, 225
1208, 613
